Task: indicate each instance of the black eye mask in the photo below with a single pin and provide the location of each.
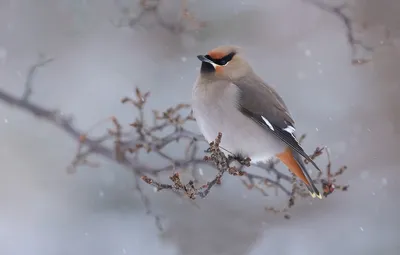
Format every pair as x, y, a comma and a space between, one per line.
222, 61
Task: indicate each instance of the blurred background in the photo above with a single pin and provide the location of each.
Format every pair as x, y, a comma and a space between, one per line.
102, 51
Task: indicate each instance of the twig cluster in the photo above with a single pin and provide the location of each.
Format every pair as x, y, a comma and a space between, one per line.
222, 164
356, 44
152, 7
144, 138
341, 11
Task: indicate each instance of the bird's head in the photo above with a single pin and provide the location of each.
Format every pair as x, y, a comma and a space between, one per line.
224, 62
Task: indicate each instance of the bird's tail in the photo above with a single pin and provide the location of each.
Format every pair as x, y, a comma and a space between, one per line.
296, 165
310, 185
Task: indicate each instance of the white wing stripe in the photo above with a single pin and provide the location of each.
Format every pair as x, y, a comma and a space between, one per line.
268, 123
290, 130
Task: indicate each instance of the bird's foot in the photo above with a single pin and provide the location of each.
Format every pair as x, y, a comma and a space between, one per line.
208, 150
241, 159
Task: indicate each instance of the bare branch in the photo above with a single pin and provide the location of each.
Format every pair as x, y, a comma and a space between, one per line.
168, 127
31, 73
222, 164
152, 7
340, 12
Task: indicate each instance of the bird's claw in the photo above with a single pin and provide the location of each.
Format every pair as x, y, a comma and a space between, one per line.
242, 160
208, 150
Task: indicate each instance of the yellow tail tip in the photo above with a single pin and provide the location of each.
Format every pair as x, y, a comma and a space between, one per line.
313, 195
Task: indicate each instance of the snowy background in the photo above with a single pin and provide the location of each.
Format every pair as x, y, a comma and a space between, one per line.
299, 48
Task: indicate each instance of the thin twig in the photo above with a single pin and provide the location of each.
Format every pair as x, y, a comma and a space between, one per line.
151, 7
339, 12
31, 73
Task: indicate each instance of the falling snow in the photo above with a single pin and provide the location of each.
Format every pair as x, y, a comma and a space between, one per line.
216, 223
19, 74
3, 54
364, 175
301, 75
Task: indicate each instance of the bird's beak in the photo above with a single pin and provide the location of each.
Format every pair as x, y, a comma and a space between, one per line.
202, 58
206, 60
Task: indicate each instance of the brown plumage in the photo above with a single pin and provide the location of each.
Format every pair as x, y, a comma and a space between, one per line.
229, 97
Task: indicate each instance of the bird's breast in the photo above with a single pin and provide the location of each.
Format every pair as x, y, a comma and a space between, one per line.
215, 109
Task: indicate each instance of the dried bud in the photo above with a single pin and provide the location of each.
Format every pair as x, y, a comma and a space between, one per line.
138, 93
134, 124
146, 179
82, 138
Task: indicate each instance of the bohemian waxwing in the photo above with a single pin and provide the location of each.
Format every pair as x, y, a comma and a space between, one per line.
228, 97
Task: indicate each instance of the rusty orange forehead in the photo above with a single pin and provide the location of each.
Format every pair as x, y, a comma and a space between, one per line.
216, 54
221, 51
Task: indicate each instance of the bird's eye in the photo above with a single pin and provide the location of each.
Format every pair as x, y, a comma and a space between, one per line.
222, 62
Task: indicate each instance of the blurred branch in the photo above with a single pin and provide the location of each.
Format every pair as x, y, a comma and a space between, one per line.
340, 12
152, 7
167, 127
32, 71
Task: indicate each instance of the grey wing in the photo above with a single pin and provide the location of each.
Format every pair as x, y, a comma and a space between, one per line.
264, 106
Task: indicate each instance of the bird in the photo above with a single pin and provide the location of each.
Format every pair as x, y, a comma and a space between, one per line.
229, 97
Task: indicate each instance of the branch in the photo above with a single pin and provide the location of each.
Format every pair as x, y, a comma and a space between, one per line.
152, 7
86, 145
32, 71
168, 127
339, 12
222, 164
